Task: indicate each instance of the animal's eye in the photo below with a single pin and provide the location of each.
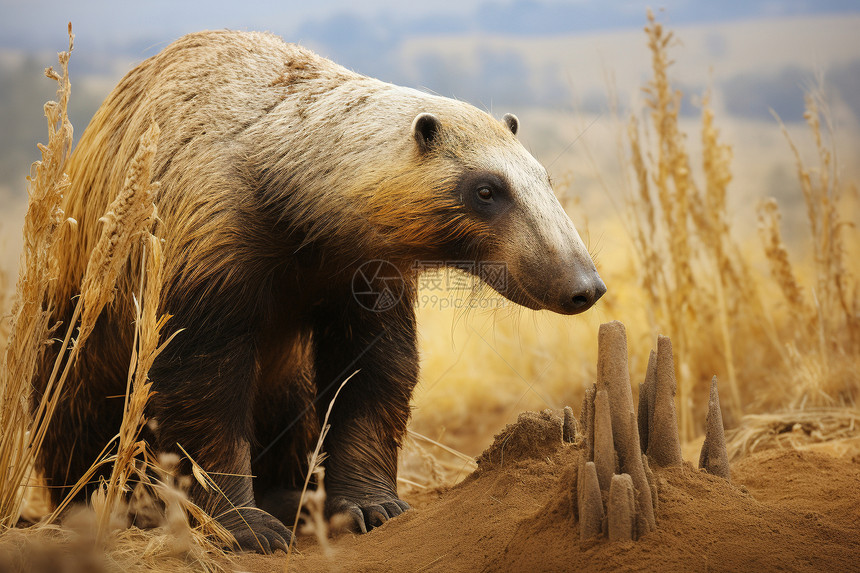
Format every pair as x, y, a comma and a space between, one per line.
485, 193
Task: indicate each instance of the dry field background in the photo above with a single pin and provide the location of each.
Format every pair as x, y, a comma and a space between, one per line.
683, 235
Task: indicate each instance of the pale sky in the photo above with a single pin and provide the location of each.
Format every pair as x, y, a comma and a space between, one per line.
32, 23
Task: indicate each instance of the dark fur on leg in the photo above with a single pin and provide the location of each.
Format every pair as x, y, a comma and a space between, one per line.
204, 394
368, 420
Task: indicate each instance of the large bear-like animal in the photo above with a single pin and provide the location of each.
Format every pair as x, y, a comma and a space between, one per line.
283, 175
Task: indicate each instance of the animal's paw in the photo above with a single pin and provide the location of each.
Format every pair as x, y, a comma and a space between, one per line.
364, 515
256, 530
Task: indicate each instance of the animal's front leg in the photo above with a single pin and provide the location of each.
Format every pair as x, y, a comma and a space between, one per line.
368, 419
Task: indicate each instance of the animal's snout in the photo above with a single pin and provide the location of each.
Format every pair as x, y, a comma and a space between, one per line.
583, 294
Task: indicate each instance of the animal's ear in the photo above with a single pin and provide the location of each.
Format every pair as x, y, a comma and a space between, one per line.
512, 122
425, 128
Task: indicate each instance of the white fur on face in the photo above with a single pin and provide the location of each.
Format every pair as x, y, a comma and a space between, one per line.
547, 227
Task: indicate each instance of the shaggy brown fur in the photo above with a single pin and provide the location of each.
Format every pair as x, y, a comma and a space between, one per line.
280, 174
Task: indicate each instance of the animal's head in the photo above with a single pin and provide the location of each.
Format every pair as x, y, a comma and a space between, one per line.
497, 207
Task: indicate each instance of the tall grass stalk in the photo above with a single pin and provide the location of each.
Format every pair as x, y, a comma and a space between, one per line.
316, 458
146, 347
31, 327
682, 237
126, 229
128, 220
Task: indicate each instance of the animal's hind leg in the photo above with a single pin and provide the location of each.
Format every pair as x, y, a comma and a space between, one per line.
74, 438
203, 402
87, 415
286, 430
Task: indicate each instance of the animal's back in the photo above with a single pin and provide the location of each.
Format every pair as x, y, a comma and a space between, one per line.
203, 91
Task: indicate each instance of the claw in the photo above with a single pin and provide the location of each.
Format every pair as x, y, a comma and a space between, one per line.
279, 543
368, 515
402, 505
392, 509
259, 532
283, 534
374, 515
255, 541
358, 517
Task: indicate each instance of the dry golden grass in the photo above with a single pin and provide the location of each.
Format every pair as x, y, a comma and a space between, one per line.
822, 338
30, 326
313, 503
689, 264
126, 223
139, 194
704, 289
777, 255
73, 547
796, 429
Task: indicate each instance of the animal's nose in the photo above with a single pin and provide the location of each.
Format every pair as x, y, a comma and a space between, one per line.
584, 296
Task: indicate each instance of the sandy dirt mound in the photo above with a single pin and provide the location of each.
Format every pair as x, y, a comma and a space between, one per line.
785, 510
